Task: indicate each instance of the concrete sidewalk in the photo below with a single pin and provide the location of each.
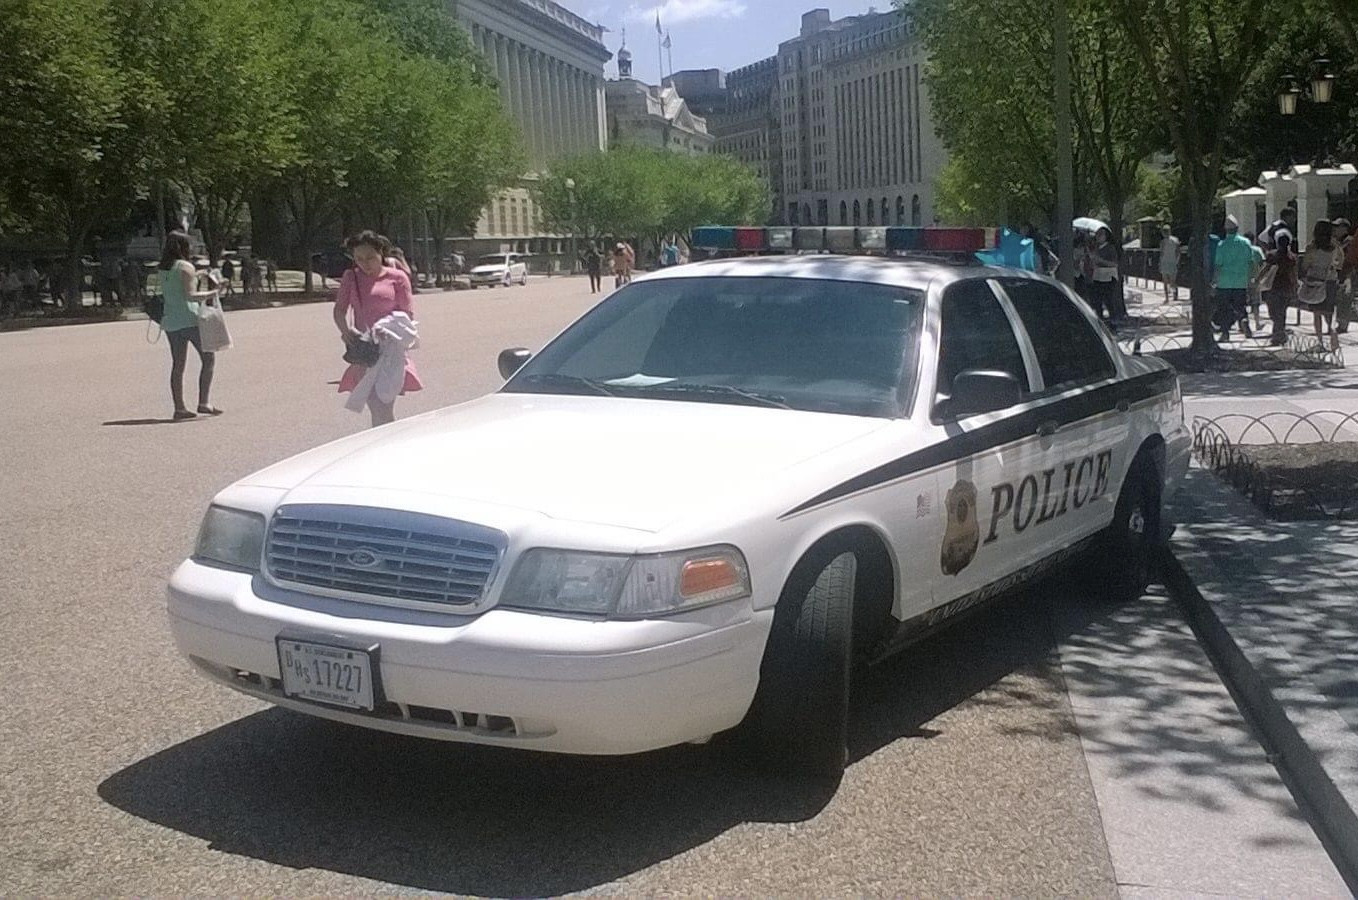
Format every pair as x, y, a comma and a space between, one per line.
1285, 593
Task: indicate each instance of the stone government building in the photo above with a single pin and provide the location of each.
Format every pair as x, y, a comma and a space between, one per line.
550, 66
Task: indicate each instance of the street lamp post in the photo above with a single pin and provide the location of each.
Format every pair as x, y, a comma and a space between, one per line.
1320, 89
570, 195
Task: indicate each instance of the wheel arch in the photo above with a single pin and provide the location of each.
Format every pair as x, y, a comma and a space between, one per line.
878, 582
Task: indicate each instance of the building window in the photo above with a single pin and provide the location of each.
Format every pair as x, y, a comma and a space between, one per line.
915, 213
857, 213
886, 212
872, 219
843, 213
900, 210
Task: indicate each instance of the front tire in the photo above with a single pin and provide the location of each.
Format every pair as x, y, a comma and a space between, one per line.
799, 720
1134, 541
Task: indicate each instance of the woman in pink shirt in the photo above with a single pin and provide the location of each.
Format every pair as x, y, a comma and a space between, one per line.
372, 290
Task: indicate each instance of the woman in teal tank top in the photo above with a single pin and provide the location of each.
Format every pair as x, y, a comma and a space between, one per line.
180, 324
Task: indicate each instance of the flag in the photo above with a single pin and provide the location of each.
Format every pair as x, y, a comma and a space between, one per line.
658, 29
666, 43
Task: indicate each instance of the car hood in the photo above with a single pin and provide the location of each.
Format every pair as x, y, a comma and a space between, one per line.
629, 463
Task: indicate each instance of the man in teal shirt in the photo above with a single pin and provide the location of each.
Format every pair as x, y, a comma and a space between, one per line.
1234, 265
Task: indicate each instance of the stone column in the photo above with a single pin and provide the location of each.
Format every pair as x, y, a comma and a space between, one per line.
579, 112
1312, 203
599, 135
552, 102
561, 137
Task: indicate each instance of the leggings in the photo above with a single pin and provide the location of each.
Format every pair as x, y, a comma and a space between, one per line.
179, 355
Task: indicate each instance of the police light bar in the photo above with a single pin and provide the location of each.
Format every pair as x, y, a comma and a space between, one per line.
889, 240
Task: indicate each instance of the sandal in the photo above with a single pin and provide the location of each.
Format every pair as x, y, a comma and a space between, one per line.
209, 411
181, 414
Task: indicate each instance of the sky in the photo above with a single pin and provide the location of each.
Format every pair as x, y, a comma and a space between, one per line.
705, 34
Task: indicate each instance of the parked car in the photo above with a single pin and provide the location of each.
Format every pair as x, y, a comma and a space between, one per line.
499, 269
699, 508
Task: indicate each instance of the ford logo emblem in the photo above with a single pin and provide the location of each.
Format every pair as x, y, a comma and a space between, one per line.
363, 558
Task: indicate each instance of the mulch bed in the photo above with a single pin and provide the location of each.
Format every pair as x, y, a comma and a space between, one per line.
1310, 481
1228, 360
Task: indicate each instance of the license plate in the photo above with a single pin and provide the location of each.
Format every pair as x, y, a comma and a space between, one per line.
325, 673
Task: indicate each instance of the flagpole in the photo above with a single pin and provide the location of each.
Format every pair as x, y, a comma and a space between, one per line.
659, 49
669, 51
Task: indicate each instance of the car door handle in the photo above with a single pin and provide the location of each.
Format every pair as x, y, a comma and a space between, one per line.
1048, 428
1124, 406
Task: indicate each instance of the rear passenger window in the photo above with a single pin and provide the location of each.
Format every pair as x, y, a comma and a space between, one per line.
1069, 348
976, 334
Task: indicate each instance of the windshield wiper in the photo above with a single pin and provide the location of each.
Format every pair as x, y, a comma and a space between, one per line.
553, 379
725, 391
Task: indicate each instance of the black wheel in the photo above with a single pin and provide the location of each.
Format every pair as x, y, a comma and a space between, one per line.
799, 721
1134, 541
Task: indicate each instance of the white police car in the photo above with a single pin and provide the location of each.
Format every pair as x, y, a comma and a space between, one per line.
696, 509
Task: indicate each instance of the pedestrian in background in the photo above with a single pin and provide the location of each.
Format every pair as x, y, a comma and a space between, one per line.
1083, 268
593, 262
1254, 293
180, 323
29, 281
1279, 283
228, 273
1234, 267
1348, 274
271, 275
1318, 273
1169, 263
370, 292
10, 291
1104, 280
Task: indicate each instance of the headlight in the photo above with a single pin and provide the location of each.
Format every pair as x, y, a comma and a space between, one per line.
626, 587
231, 538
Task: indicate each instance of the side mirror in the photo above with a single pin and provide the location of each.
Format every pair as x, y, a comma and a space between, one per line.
512, 360
981, 391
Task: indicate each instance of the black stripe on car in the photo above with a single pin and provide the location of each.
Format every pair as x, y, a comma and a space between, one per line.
1005, 431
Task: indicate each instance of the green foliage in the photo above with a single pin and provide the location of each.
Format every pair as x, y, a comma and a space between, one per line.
632, 191
64, 114
990, 76
1261, 137
1197, 55
340, 107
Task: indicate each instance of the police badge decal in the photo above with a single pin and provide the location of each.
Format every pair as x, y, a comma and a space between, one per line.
962, 535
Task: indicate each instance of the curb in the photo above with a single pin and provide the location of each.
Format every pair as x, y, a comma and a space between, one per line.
1320, 800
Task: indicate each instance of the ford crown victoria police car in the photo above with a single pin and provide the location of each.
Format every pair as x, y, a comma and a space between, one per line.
696, 509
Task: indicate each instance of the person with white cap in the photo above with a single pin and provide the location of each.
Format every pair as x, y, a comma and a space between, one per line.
1235, 266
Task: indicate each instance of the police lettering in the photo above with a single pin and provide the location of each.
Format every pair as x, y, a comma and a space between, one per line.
1035, 501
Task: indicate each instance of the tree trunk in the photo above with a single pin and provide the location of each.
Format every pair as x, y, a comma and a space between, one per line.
1204, 343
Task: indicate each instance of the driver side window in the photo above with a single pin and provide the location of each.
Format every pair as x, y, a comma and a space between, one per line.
975, 334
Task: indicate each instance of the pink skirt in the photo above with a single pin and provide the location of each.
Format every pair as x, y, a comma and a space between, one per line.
354, 374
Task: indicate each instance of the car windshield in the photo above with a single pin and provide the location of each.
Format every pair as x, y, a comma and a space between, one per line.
494, 259
809, 344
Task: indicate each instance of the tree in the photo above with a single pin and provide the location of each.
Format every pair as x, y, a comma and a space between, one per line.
69, 160
1197, 56
643, 193
1261, 137
1114, 131
223, 120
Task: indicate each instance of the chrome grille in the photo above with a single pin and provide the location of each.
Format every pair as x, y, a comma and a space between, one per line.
381, 555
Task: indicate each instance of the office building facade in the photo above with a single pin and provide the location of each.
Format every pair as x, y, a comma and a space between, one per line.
858, 140
549, 63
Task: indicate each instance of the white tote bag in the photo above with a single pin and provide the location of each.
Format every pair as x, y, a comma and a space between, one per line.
212, 328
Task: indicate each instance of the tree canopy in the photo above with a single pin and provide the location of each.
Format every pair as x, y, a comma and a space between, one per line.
638, 192
343, 109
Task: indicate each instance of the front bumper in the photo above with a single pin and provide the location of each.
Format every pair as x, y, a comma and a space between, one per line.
503, 677
487, 277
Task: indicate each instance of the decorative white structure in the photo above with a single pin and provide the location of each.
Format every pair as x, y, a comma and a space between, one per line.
1308, 187
644, 115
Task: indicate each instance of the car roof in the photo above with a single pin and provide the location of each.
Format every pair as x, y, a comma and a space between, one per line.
915, 272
